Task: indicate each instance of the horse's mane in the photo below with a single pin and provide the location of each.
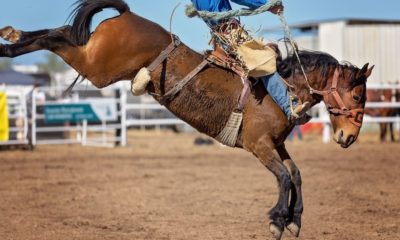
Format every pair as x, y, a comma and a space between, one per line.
315, 60
311, 60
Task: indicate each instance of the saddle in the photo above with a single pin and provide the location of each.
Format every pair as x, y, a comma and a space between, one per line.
221, 58
225, 60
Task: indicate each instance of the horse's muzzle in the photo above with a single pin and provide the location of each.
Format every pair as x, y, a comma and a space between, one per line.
345, 140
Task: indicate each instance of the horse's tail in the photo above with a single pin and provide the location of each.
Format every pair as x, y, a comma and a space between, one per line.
83, 14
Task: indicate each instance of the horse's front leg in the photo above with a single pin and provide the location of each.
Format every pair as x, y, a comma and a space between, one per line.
293, 223
265, 152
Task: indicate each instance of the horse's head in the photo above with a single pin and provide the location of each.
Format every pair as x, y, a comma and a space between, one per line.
342, 87
345, 101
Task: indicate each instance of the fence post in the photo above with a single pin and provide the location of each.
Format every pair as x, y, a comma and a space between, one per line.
34, 112
25, 115
84, 132
123, 102
326, 133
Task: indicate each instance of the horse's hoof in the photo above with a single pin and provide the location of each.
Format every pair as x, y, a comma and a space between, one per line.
275, 231
10, 34
293, 229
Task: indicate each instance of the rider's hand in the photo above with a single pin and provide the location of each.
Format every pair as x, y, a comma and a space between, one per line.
277, 9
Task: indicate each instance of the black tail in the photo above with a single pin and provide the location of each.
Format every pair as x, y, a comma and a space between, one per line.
83, 13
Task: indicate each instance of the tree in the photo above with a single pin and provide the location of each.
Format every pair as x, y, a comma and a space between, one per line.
5, 63
53, 64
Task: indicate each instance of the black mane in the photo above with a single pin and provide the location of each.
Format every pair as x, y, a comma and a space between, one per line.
311, 60
315, 60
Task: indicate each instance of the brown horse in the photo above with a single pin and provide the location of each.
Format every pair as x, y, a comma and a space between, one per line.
120, 46
384, 95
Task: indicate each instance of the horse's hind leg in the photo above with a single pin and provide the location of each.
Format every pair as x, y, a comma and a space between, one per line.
293, 223
55, 40
15, 36
383, 129
270, 159
391, 132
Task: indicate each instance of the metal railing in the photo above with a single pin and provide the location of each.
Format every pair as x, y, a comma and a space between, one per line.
129, 115
18, 116
80, 129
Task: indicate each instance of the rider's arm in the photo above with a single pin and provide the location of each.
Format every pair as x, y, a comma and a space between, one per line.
253, 4
212, 5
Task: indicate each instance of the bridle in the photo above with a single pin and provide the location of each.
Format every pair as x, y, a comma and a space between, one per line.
355, 115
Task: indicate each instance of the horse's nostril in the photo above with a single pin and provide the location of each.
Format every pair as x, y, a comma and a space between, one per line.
351, 139
341, 136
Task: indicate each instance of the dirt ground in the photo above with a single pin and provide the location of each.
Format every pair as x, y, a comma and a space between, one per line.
164, 187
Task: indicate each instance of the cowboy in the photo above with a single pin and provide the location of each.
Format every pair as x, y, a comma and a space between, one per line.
273, 83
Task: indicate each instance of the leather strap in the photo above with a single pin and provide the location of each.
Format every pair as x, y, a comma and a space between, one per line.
226, 62
244, 94
181, 84
355, 115
164, 54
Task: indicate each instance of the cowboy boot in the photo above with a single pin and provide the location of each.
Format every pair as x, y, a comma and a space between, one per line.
299, 114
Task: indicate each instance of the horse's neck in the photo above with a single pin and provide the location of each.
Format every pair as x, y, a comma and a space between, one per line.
302, 89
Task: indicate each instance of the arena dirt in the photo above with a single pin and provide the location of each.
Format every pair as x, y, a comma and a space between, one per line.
164, 187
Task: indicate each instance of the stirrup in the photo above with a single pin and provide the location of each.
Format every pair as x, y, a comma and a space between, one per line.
299, 114
301, 109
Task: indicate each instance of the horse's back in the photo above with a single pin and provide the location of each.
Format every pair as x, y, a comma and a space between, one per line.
116, 47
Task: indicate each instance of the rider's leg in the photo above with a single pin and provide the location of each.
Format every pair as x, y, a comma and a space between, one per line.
279, 93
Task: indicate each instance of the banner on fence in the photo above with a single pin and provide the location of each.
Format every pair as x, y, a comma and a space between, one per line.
95, 110
4, 123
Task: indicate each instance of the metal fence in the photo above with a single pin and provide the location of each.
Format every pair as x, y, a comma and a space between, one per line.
146, 116
100, 133
27, 109
18, 116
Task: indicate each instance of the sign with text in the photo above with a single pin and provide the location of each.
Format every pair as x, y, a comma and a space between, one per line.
92, 111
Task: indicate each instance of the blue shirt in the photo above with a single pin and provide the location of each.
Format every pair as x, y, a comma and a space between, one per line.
225, 5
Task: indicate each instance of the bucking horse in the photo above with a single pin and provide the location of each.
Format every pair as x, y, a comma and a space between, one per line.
122, 45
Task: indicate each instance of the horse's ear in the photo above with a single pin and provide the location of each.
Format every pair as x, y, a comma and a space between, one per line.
363, 71
369, 71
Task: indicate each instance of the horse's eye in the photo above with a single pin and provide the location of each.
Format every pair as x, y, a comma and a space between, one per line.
358, 93
357, 98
